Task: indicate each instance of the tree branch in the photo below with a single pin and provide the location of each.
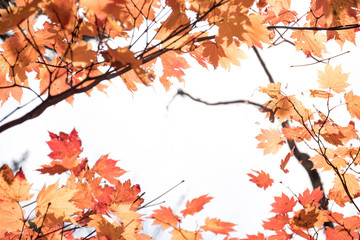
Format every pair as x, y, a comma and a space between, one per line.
182, 93
336, 28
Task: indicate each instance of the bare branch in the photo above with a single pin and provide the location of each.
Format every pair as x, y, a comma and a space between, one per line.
336, 28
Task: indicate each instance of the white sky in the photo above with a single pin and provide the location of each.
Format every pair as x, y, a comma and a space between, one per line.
211, 148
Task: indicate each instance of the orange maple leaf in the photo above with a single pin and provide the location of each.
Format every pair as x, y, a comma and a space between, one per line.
279, 5
277, 222
285, 161
12, 217
217, 226
13, 189
173, 66
283, 204
13, 16
333, 79
126, 193
339, 233
270, 140
321, 94
106, 168
353, 104
105, 229
196, 205
309, 42
263, 179
165, 217
298, 133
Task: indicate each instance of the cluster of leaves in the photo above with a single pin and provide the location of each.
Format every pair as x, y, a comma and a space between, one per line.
336, 151
75, 48
91, 198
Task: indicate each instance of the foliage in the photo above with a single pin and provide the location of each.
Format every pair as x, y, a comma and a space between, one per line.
92, 198
74, 46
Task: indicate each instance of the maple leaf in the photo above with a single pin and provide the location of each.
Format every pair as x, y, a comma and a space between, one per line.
217, 226
81, 54
165, 217
15, 15
124, 216
173, 66
333, 79
65, 151
352, 183
263, 179
321, 94
126, 193
181, 234
64, 145
104, 228
298, 133
278, 5
284, 16
62, 12
313, 198
305, 218
196, 205
309, 42
106, 168
277, 222
259, 236
272, 89
83, 196
13, 188
353, 104
122, 57
281, 234
340, 233
56, 203
11, 216
270, 140
285, 161
283, 204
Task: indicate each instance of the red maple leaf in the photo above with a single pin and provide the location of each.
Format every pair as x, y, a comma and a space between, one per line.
196, 205
312, 198
283, 204
263, 179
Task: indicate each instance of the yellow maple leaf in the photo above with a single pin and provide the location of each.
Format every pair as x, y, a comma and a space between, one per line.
353, 104
56, 202
352, 183
11, 216
272, 89
270, 140
278, 5
333, 78
309, 42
